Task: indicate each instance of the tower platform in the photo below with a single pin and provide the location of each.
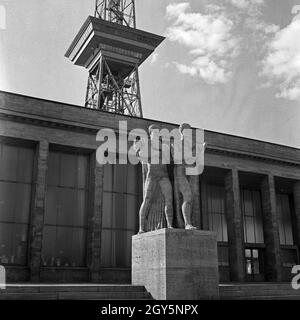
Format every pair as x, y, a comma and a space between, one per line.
126, 47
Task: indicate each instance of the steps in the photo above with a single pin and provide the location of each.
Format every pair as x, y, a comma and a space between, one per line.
258, 291
73, 292
230, 291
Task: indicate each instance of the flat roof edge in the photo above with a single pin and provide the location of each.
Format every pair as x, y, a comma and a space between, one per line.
146, 119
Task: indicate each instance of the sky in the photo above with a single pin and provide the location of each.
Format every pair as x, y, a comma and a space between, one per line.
230, 66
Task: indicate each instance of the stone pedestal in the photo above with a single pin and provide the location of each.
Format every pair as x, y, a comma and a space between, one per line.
176, 264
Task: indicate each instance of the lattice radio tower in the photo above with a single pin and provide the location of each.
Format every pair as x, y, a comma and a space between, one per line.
112, 49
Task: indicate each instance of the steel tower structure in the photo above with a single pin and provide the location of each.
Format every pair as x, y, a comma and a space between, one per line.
111, 48
116, 94
117, 11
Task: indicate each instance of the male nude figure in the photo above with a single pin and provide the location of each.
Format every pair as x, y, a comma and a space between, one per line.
183, 184
157, 175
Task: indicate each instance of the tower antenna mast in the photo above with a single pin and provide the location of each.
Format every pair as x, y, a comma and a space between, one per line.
118, 11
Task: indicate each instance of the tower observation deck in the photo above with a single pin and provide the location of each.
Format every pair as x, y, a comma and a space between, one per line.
110, 47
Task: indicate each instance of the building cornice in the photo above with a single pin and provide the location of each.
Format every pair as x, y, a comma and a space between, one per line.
45, 113
92, 129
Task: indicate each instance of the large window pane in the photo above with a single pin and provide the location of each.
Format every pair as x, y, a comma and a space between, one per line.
121, 200
63, 247
9, 162
218, 226
248, 204
16, 169
13, 241
224, 223
252, 216
216, 211
108, 180
53, 179
250, 231
116, 248
259, 230
64, 240
16, 163
15, 201
215, 200
25, 165
132, 204
82, 171
69, 172
285, 219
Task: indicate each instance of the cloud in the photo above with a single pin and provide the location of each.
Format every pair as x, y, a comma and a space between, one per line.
206, 69
281, 65
249, 16
2, 18
209, 38
175, 9
211, 8
246, 4
154, 58
250, 8
296, 9
254, 24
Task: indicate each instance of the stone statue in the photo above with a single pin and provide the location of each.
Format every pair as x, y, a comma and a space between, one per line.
156, 177
185, 185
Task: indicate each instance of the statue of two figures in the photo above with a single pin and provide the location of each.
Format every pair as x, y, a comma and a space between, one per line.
173, 179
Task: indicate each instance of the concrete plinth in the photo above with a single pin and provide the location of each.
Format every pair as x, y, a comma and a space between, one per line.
176, 264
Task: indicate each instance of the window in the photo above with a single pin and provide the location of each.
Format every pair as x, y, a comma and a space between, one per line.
65, 229
223, 256
254, 262
252, 216
216, 211
121, 201
16, 171
289, 258
223, 261
285, 219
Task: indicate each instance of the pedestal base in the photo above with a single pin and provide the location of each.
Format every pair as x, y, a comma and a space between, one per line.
176, 264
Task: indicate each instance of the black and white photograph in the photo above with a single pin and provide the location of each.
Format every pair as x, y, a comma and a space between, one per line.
149, 154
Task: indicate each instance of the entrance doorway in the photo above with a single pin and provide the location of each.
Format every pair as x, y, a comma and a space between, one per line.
254, 265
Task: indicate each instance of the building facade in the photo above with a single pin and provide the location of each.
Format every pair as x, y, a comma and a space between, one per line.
65, 218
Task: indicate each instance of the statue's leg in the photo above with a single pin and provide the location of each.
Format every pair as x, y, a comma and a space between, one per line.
185, 189
178, 201
166, 189
150, 186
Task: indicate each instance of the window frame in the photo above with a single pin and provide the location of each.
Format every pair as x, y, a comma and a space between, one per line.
87, 191
211, 213
23, 144
112, 230
253, 216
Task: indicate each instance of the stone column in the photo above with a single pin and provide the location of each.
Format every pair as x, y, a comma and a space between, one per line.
95, 219
271, 230
235, 227
204, 213
38, 211
297, 211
